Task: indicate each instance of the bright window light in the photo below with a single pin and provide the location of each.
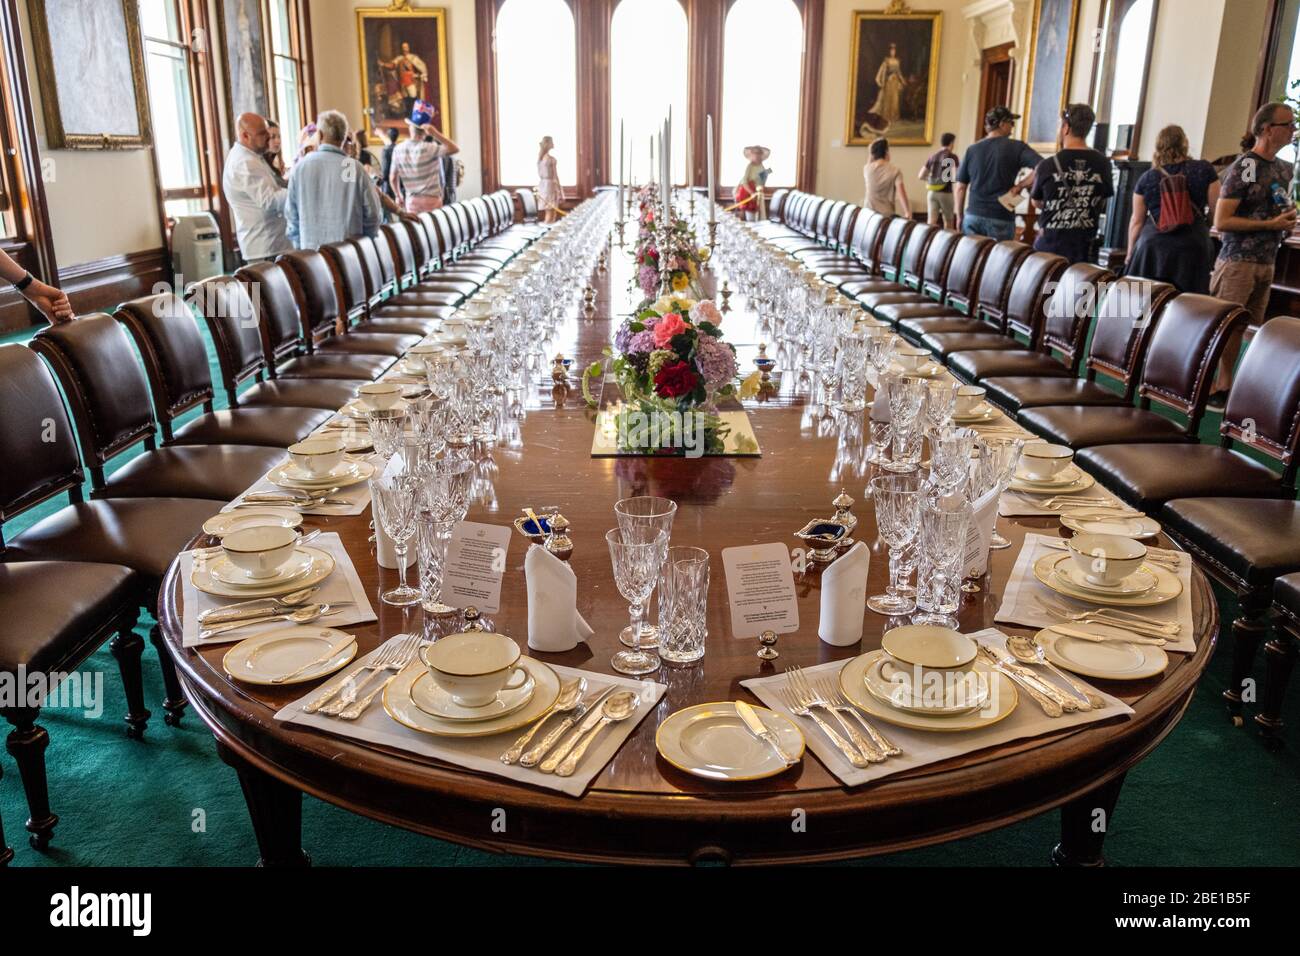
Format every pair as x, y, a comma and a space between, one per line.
648, 51
536, 88
762, 59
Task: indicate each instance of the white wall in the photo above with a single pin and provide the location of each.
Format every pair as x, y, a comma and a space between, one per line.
335, 46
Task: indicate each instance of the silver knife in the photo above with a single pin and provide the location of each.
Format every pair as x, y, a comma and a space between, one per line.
759, 730
333, 649
593, 717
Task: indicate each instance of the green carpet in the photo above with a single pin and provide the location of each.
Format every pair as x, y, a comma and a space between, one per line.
1211, 794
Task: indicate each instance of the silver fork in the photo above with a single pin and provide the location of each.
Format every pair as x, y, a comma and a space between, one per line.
385, 656
835, 699
805, 702
843, 746
405, 654
813, 697
1136, 622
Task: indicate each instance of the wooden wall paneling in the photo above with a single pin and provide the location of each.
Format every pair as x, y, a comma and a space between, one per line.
485, 16
102, 284
595, 162
706, 22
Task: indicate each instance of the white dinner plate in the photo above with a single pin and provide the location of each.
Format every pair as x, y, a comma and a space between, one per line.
354, 409
711, 741
892, 685
261, 658
344, 470
226, 571
1113, 660
1002, 699
403, 709
982, 414
1081, 481
1139, 582
357, 472
1168, 586
1098, 521
436, 702
228, 521
321, 568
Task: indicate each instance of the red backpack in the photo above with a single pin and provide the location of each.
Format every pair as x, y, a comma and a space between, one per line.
1176, 208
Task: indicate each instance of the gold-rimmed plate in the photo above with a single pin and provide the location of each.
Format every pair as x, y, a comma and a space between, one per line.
1002, 699
1101, 521
228, 521
263, 657
402, 707
712, 742
354, 473
322, 566
1139, 582
1108, 660
1081, 481
1168, 586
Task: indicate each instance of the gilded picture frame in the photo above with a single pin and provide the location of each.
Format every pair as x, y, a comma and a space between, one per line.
395, 47
1051, 61
893, 77
96, 44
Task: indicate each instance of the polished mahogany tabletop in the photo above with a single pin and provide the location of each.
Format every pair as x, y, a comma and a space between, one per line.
640, 808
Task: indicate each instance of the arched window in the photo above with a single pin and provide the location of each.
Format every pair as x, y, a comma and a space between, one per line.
536, 88
762, 59
647, 67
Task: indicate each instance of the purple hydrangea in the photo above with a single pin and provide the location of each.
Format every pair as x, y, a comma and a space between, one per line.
715, 360
648, 279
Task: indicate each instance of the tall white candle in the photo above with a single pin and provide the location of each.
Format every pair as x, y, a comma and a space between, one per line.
620, 171
690, 169
710, 159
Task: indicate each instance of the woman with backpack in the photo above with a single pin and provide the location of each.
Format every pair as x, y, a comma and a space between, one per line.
1169, 234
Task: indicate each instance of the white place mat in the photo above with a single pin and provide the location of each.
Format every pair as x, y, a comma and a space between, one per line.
924, 747
483, 754
342, 585
1019, 504
1018, 606
357, 495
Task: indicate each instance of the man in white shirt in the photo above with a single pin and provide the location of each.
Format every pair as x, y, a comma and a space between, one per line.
255, 198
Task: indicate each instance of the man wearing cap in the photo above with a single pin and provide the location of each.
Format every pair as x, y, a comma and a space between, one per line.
1071, 188
986, 179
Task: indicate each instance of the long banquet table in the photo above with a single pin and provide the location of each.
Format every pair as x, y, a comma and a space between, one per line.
640, 809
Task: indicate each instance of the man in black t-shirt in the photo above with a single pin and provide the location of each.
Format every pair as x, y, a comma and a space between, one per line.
987, 180
1071, 188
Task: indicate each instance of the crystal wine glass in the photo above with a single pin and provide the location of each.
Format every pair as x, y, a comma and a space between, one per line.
898, 502
636, 553
444, 502
645, 511
944, 524
906, 396
395, 500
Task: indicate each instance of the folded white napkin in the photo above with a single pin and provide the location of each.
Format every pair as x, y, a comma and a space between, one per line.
844, 595
554, 623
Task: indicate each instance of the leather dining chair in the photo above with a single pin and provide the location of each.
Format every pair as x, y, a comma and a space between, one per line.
96, 366
984, 310
453, 250
436, 274
838, 265
1055, 334
863, 259
959, 284
1263, 414
408, 268
397, 304
344, 259
888, 266
1280, 654
910, 265
275, 303
233, 323
1022, 315
925, 282
176, 363
320, 303
1126, 315
1190, 333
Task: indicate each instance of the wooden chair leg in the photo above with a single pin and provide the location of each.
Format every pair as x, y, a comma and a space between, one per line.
175, 703
1248, 630
1279, 659
26, 744
6, 851
127, 648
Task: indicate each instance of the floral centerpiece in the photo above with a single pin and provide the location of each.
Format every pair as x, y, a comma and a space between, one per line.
668, 258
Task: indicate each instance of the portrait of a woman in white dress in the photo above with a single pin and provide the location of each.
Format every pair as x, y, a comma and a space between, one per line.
891, 81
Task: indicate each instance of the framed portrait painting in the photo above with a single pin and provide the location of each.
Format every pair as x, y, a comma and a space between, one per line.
243, 42
893, 72
90, 66
1051, 56
403, 59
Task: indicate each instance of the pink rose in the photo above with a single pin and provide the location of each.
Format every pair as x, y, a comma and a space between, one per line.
708, 312
668, 327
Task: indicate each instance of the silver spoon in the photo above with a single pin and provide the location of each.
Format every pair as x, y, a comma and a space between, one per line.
304, 615
1029, 651
570, 693
290, 600
620, 706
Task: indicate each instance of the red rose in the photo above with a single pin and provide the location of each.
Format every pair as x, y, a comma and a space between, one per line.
676, 380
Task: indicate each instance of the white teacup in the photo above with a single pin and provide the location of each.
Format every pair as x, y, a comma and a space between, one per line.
969, 398
926, 647
378, 395
475, 666
911, 358
1106, 559
318, 456
260, 552
1040, 461
419, 356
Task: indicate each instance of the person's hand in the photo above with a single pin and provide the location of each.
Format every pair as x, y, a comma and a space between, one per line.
52, 302
1285, 220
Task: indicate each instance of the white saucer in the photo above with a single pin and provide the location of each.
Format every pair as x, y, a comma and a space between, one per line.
227, 572
1168, 586
1081, 481
1002, 699
984, 412
403, 709
1139, 582
1138, 526
354, 409
1113, 660
436, 702
357, 472
711, 741
1066, 476
228, 521
343, 470
261, 658
321, 568
893, 687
